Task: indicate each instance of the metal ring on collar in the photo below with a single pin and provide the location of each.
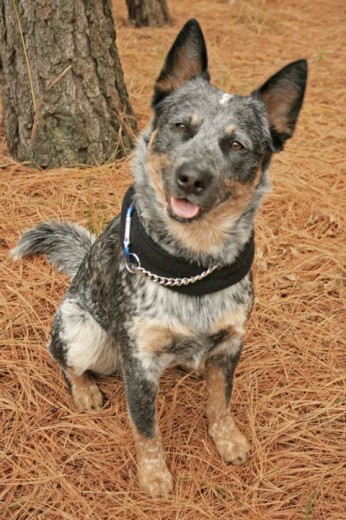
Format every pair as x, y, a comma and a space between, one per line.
133, 270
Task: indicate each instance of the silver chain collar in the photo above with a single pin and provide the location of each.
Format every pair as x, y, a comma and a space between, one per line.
162, 280
133, 264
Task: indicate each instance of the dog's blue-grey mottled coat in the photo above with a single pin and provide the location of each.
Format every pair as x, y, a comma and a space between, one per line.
213, 150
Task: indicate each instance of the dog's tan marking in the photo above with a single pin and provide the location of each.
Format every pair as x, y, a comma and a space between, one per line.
194, 119
233, 322
226, 327
208, 233
151, 336
230, 129
153, 474
86, 395
156, 166
152, 138
233, 325
229, 441
227, 343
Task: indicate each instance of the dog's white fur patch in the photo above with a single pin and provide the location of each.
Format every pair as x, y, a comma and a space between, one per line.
89, 347
225, 98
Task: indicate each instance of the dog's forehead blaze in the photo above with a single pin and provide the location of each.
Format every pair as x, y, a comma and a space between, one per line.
225, 98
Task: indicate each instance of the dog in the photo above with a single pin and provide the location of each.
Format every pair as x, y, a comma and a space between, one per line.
169, 281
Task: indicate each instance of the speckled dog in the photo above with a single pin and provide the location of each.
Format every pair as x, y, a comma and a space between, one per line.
169, 281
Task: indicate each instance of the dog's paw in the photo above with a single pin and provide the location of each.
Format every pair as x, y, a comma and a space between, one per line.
155, 478
235, 452
229, 441
87, 397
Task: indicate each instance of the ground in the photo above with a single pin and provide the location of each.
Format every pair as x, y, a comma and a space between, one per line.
289, 396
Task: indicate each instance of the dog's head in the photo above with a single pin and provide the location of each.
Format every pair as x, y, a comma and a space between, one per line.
208, 150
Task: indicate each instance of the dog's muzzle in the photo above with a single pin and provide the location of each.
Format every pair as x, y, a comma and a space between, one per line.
191, 180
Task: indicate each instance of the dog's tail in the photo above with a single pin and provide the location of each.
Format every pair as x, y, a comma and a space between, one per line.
65, 244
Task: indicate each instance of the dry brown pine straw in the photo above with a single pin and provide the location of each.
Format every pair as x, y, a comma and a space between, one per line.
289, 395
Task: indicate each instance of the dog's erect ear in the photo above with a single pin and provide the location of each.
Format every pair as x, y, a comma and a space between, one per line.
186, 59
283, 96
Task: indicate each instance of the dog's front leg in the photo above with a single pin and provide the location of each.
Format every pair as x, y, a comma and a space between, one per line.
229, 441
141, 385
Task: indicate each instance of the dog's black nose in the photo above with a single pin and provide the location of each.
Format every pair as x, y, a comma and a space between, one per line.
191, 180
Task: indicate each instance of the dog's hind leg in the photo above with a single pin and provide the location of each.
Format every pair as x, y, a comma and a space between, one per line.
86, 395
80, 346
229, 441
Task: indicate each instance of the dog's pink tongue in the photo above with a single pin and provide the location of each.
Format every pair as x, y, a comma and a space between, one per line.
184, 208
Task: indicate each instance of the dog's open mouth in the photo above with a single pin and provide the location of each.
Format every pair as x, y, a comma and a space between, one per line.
183, 209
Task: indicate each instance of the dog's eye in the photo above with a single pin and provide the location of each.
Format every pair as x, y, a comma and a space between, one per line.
182, 128
236, 146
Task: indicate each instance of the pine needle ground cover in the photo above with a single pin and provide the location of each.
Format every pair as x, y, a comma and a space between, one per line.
289, 395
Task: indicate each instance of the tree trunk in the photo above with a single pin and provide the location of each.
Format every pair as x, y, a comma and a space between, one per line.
64, 97
144, 13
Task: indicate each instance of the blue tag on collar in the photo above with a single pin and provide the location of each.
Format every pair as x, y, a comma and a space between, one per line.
130, 211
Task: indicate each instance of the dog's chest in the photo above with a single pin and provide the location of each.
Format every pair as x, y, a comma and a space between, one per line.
181, 329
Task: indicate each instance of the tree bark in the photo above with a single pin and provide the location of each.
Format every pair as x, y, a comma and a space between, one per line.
64, 97
144, 13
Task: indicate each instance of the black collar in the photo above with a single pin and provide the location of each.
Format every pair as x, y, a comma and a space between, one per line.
157, 260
